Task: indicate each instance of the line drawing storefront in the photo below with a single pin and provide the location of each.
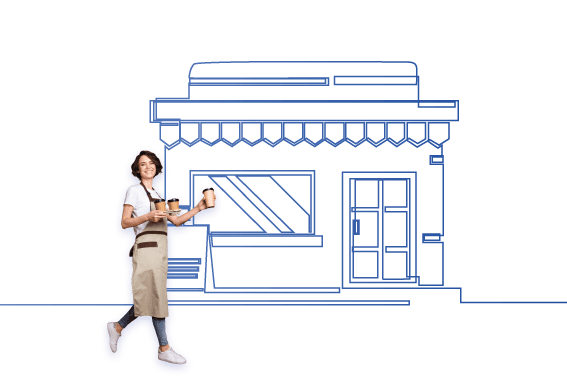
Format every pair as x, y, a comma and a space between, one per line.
329, 179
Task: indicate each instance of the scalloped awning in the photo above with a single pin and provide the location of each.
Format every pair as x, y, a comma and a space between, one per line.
173, 133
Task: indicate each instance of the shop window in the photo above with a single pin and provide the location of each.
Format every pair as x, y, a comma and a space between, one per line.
257, 202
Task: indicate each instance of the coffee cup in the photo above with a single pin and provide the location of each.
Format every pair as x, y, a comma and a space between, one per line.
209, 197
160, 204
173, 204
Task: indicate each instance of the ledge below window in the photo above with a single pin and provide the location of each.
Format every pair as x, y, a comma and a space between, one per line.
267, 240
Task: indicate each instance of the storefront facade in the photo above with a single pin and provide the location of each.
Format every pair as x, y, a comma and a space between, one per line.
329, 177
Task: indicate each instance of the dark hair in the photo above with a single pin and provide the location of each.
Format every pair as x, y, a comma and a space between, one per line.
150, 155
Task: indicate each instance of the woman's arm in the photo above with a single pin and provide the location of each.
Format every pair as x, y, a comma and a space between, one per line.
129, 221
179, 220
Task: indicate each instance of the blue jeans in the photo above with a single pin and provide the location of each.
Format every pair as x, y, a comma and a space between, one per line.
159, 325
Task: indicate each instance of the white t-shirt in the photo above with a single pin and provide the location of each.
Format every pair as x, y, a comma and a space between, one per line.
136, 196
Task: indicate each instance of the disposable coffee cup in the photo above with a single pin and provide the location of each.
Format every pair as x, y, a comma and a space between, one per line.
209, 197
173, 204
160, 204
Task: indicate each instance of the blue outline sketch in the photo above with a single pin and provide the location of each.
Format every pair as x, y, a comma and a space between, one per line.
424, 122
354, 98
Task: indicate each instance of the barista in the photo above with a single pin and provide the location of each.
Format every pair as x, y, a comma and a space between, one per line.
149, 254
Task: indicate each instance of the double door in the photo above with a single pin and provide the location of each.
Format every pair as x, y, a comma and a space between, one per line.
379, 231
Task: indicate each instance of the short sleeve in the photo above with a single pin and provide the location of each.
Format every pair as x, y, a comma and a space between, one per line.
131, 197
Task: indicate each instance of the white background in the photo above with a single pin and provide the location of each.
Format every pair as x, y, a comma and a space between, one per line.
75, 83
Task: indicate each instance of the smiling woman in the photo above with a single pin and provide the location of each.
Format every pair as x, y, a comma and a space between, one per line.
149, 254
148, 163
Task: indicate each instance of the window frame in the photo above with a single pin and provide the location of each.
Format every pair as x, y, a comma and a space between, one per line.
310, 173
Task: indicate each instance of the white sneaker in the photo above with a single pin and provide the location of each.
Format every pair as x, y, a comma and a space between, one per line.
113, 334
170, 356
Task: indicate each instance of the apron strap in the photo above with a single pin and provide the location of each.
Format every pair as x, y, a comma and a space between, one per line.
149, 195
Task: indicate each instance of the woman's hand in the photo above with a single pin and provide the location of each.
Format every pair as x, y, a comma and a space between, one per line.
129, 221
155, 216
202, 206
179, 220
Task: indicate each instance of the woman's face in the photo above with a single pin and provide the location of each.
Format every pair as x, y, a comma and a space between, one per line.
147, 167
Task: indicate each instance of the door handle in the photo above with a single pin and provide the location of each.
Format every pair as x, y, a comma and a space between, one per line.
356, 226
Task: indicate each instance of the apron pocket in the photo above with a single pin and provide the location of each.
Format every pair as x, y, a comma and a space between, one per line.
147, 244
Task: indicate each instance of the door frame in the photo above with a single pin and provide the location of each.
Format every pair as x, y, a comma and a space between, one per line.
346, 227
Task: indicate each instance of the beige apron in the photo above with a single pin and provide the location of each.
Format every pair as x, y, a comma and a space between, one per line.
149, 261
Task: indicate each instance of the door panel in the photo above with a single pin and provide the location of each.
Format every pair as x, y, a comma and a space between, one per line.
395, 229
366, 225
395, 266
366, 264
366, 194
395, 193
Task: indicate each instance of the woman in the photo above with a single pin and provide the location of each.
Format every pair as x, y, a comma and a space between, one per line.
149, 254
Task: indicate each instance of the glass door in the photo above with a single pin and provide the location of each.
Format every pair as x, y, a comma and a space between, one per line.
379, 230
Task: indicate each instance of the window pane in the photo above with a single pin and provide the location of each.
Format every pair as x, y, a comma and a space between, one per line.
282, 201
256, 202
227, 216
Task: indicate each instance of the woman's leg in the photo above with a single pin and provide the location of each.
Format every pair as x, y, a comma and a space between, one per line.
165, 353
115, 329
159, 326
126, 319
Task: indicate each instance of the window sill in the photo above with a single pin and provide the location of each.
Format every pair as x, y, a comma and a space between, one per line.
235, 240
